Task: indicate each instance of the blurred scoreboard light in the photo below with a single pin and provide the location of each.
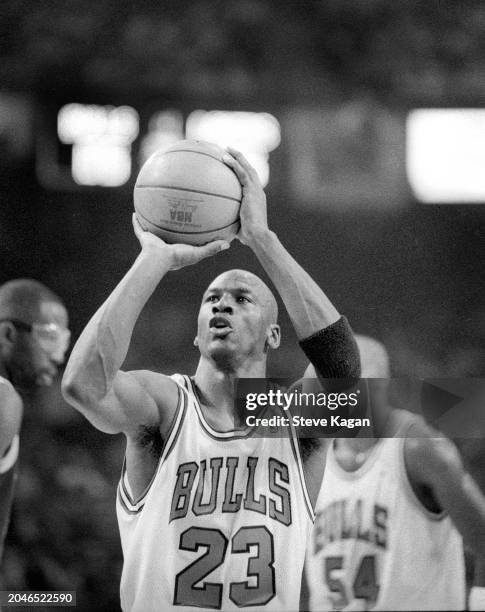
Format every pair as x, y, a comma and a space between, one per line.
91, 145
445, 155
164, 128
101, 138
254, 134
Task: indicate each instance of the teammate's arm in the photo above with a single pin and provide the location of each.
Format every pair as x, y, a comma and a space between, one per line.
434, 464
116, 401
10, 415
323, 333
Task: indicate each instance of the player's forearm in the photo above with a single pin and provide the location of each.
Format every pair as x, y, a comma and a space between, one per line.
103, 345
309, 308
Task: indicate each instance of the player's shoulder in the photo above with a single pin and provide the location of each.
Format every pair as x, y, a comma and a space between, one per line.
8, 457
163, 389
403, 423
10, 402
10, 414
6, 387
419, 432
163, 385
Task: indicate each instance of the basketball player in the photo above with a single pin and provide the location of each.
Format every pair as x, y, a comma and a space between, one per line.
210, 515
33, 340
392, 514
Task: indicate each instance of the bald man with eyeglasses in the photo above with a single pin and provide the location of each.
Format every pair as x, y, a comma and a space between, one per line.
34, 338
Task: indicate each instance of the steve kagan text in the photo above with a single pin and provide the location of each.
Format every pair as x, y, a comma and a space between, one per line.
299, 421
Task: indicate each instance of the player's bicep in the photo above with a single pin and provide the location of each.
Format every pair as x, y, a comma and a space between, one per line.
138, 398
124, 407
433, 461
447, 474
431, 458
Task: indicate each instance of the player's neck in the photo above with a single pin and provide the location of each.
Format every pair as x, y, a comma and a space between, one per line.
216, 400
215, 373
217, 388
351, 453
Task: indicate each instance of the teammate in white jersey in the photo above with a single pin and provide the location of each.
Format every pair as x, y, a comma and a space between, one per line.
392, 515
217, 518
33, 341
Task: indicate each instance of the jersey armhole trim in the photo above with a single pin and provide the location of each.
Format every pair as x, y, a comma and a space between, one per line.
128, 503
176, 426
10, 457
124, 496
434, 516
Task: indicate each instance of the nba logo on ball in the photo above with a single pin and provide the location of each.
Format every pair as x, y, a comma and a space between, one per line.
187, 194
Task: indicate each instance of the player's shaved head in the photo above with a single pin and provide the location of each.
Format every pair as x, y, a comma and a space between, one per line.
374, 357
21, 299
255, 284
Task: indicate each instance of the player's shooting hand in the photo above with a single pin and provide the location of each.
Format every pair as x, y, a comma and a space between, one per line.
254, 220
175, 255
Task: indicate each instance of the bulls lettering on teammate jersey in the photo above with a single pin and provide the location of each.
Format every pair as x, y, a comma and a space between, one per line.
374, 546
223, 525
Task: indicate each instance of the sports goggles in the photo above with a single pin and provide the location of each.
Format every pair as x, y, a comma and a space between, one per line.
51, 337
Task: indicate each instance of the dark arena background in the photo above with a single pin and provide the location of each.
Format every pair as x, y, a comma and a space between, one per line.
372, 129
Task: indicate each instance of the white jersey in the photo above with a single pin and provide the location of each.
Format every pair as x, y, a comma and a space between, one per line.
375, 546
223, 525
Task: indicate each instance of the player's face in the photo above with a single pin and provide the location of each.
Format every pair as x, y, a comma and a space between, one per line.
235, 319
37, 352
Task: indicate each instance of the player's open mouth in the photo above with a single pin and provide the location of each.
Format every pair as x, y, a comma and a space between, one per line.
219, 324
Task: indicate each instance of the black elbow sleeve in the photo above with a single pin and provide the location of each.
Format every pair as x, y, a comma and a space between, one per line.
334, 353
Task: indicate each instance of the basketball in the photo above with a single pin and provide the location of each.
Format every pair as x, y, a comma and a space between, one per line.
186, 194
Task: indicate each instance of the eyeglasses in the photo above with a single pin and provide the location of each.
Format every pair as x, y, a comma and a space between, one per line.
53, 338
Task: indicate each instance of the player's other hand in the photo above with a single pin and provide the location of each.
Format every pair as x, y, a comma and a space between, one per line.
254, 219
176, 256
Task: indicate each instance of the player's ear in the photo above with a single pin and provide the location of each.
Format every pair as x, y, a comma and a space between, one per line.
273, 336
8, 333
196, 341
